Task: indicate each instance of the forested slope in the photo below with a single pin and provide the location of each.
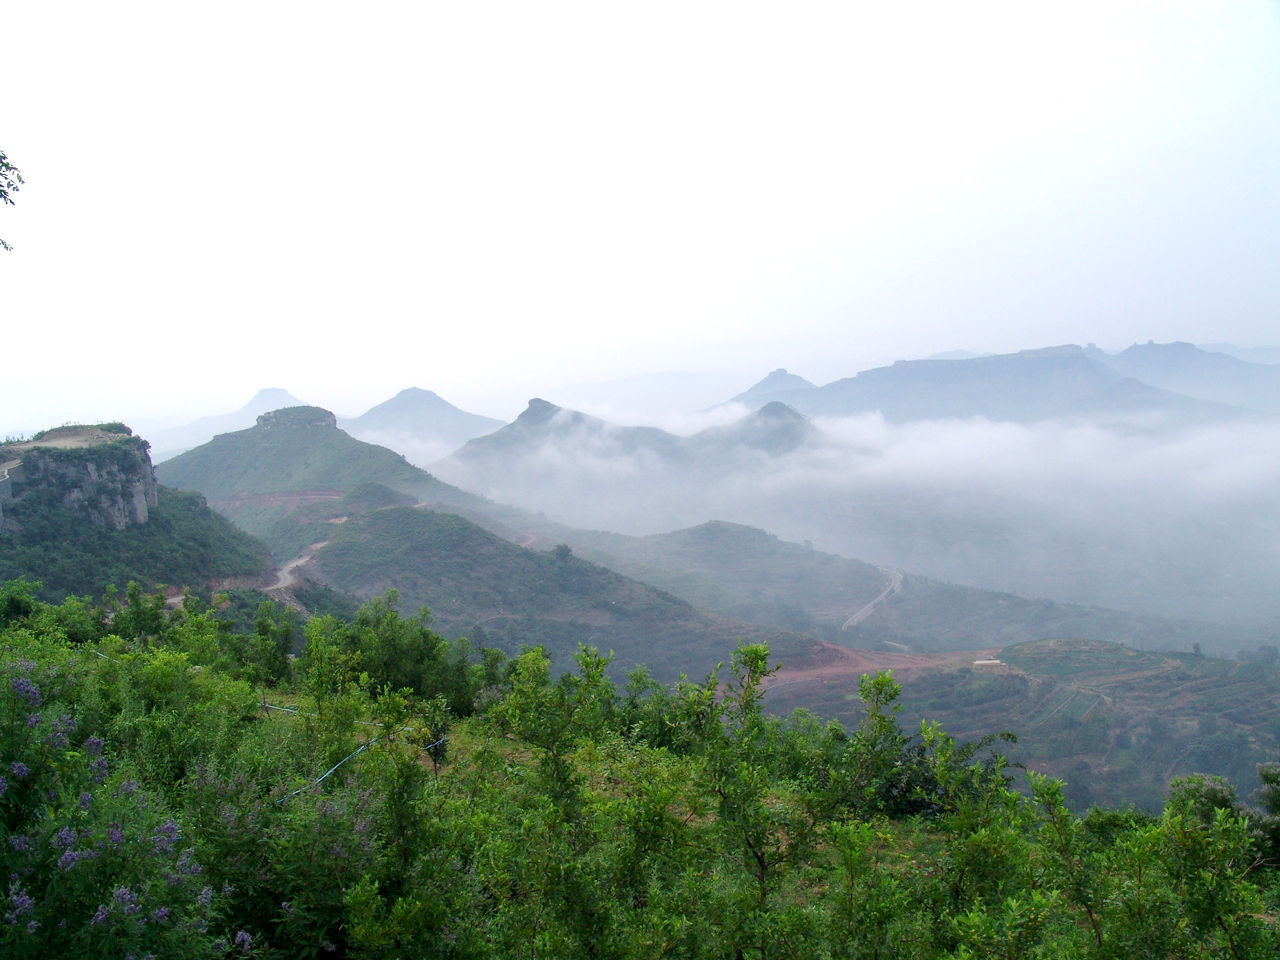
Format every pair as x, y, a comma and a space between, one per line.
173, 788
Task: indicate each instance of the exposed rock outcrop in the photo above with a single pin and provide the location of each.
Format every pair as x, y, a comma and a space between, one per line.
105, 475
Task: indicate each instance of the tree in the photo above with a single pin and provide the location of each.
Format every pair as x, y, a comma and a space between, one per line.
10, 181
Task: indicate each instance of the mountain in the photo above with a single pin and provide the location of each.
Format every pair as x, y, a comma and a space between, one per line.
494, 592
1054, 383
1252, 354
543, 422
419, 424
291, 457
170, 442
1187, 369
548, 437
747, 573
80, 510
778, 385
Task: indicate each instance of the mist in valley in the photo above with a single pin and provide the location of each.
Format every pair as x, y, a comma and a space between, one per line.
1164, 521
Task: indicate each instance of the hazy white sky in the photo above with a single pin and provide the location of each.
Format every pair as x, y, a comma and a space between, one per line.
489, 200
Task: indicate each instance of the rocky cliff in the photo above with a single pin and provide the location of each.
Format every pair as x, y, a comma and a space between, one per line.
102, 473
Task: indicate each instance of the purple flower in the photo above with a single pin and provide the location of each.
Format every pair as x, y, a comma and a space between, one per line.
187, 865
33, 719
99, 915
19, 903
126, 789
27, 690
65, 838
86, 801
127, 899
160, 914
31, 926
4, 786
286, 908
164, 837
205, 897
94, 746
243, 940
19, 769
98, 770
114, 834
20, 842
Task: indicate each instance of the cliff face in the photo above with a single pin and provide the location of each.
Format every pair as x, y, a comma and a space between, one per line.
107, 479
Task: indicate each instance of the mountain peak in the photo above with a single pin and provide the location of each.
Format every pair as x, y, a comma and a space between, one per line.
271, 398
538, 412
777, 384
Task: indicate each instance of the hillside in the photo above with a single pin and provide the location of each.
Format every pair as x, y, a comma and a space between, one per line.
744, 572
292, 457
171, 441
81, 511
1116, 723
497, 593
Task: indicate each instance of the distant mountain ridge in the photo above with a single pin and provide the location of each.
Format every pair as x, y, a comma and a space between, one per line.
1052, 383
1195, 372
421, 422
172, 441
771, 430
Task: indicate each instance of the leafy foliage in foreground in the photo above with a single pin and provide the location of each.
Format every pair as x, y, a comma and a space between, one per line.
174, 787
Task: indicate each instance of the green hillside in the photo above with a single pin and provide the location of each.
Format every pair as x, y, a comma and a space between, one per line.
744, 572
750, 574
1117, 724
494, 592
183, 543
291, 457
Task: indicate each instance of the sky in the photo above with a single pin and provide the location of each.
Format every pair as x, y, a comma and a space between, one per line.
495, 201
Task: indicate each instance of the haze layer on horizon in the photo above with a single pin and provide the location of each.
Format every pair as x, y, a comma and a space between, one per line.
493, 200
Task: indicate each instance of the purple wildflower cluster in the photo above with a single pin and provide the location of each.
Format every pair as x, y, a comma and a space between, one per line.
26, 690
164, 837
126, 900
19, 770
19, 904
63, 727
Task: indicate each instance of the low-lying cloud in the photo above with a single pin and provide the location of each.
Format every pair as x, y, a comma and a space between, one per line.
1181, 524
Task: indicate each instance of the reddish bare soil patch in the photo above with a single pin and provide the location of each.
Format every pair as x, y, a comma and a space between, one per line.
832, 664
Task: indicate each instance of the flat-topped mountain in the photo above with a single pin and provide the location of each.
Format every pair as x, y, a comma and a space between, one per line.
171, 441
290, 457
80, 510
100, 472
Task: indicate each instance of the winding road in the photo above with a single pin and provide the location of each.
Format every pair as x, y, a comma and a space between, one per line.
894, 586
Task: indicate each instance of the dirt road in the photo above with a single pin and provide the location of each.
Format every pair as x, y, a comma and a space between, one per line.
894, 585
